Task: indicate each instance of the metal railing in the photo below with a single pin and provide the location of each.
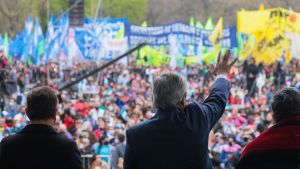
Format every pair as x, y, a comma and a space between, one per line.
87, 159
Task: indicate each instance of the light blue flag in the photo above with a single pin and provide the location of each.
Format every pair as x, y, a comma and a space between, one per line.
37, 42
16, 45
49, 40
64, 34
27, 40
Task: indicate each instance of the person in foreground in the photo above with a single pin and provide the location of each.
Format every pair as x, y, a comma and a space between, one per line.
38, 145
177, 136
279, 146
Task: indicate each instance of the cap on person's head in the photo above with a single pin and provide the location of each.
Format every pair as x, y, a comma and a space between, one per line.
286, 103
41, 104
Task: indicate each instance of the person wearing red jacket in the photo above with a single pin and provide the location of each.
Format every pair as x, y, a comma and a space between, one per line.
279, 146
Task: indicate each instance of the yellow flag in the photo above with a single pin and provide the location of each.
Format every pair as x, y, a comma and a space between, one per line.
191, 60
290, 21
217, 33
211, 56
247, 50
288, 56
270, 46
276, 18
258, 21
261, 7
157, 57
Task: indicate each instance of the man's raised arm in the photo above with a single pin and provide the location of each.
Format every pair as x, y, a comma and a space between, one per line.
214, 105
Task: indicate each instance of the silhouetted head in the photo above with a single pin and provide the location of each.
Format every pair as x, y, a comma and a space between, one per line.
286, 103
169, 90
41, 104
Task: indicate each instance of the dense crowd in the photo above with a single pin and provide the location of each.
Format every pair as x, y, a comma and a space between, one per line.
97, 111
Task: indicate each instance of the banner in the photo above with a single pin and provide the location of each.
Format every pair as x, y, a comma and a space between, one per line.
270, 46
255, 21
100, 39
228, 39
162, 35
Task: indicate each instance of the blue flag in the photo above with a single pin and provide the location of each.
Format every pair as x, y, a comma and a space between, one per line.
27, 39
38, 39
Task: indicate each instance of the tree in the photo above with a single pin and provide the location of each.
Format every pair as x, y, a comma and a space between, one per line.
134, 10
13, 13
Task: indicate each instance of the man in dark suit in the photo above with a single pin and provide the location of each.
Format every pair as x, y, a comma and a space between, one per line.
177, 136
279, 146
38, 145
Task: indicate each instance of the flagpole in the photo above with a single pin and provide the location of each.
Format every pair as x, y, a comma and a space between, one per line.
105, 65
97, 9
48, 9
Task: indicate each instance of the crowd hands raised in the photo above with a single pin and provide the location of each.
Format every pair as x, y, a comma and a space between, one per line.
97, 111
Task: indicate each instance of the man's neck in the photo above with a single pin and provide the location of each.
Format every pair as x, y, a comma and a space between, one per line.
44, 122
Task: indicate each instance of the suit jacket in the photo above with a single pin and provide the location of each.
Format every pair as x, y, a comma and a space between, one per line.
276, 148
39, 146
175, 139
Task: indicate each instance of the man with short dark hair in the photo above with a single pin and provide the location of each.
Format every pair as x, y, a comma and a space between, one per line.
279, 146
38, 145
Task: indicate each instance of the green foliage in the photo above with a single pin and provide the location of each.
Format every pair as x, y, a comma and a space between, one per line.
56, 8
91, 8
13, 13
134, 10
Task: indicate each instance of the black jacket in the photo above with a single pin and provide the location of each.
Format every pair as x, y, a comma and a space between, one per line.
175, 139
39, 147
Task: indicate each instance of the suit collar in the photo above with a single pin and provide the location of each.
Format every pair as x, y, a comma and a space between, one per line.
38, 128
167, 110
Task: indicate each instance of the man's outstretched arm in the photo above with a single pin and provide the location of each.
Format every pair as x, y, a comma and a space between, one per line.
214, 105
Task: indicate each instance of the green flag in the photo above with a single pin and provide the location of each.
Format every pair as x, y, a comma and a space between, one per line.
6, 48
209, 24
145, 24
40, 47
120, 33
211, 57
240, 43
29, 60
192, 22
199, 25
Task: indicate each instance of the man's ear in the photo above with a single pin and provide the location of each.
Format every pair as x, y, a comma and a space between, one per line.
275, 118
183, 101
54, 115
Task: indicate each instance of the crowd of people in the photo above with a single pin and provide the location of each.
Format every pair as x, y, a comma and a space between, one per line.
97, 111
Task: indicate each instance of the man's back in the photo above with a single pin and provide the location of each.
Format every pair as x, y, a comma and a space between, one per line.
170, 141
39, 146
175, 139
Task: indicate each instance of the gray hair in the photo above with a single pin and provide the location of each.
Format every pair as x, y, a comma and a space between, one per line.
168, 90
286, 102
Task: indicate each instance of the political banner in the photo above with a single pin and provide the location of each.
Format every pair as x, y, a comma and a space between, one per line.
100, 39
162, 35
228, 39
